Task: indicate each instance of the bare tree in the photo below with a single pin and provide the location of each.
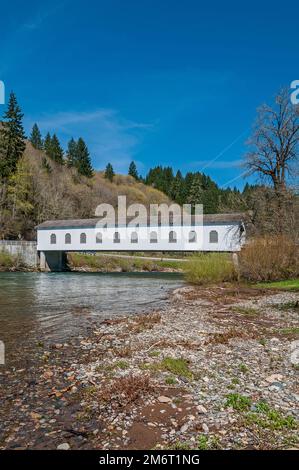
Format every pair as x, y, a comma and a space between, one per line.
274, 149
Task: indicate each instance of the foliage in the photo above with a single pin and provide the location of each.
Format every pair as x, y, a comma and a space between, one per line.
133, 170
36, 138
238, 402
12, 138
176, 366
270, 418
109, 172
291, 284
208, 268
269, 259
77, 156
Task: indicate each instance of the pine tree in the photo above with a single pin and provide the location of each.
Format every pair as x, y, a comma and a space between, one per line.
12, 138
109, 172
196, 192
48, 145
71, 154
56, 150
133, 170
82, 161
36, 138
177, 192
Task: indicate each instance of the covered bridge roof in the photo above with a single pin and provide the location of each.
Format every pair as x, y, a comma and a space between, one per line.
208, 219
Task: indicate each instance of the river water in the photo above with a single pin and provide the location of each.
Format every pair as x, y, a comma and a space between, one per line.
53, 307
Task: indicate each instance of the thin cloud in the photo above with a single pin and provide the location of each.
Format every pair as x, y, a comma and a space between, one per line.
109, 136
217, 164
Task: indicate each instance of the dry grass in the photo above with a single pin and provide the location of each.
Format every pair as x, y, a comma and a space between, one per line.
126, 390
144, 322
223, 338
269, 259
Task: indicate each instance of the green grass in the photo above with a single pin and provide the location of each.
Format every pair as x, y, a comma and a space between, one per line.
238, 402
290, 284
6, 260
99, 262
121, 365
270, 418
243, 368
250, 312
289, 331
207, 268
177, 367
170, 381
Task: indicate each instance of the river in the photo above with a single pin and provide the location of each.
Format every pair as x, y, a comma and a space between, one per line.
54, 307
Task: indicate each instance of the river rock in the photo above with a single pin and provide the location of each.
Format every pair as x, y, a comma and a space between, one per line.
163, 399
63, 446
201, 409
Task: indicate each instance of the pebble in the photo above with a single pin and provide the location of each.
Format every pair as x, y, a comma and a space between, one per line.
63, 446
163, 399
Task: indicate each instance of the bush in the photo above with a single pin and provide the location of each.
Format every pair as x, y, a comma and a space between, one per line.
208, 268
8, 261
269, 259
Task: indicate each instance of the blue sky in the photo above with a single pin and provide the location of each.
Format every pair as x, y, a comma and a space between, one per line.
161, 82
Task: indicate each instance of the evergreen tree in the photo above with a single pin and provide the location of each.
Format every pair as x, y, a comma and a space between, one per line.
71, 154
82, 159
56, 150
177, 189
12, 138
109, 172
48, 145
36, 138
195, 194
133, 170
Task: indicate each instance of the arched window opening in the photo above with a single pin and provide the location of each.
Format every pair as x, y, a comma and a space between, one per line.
53, 239
153, 237
83, 238
68, 239
99, 238
172, 237
192, 236
134, 237
213, 236
116, 238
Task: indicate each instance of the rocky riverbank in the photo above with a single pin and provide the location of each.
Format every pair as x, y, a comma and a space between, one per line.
218, 368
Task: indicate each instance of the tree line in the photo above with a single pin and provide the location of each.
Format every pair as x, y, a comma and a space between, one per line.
272, 155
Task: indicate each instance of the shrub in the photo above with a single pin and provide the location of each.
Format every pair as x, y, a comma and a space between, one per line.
8, 261
269, 259
207, 268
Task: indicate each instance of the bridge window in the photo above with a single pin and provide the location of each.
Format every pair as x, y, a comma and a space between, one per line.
213, 236
68, 239
192, 236
134, 237
53, 239
172, 237
99, 237
116, 238
83, 238
153, 237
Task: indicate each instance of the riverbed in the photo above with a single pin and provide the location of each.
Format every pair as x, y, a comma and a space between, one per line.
53, 307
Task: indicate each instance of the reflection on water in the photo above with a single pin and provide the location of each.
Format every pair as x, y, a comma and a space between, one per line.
55, 306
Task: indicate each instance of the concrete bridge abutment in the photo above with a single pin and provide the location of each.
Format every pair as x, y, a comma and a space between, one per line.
55, 261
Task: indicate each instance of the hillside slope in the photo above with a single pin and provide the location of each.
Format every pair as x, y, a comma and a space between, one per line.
41, 189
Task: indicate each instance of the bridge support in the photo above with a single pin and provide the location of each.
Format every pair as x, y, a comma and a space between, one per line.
52, 261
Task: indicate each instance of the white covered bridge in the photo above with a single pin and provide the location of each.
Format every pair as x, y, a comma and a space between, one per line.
215, 232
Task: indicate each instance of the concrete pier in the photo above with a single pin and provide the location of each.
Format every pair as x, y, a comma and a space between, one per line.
52, 261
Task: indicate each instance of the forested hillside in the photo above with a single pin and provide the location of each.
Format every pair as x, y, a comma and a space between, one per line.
39, 181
